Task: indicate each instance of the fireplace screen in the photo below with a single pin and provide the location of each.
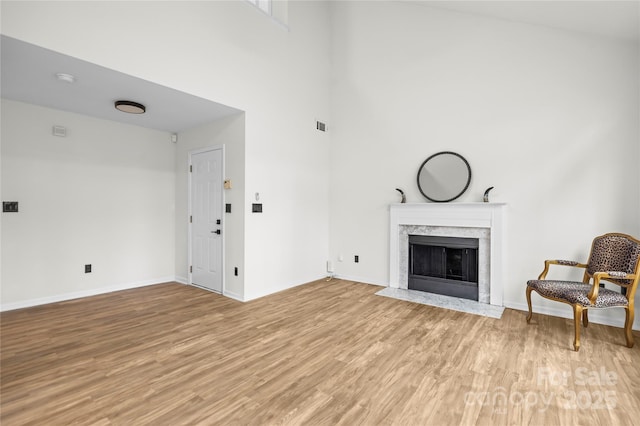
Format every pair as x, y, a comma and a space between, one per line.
444, 265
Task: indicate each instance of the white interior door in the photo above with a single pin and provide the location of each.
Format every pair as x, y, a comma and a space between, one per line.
206, 219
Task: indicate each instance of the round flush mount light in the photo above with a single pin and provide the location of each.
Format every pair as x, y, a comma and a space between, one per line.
67, 78
130, 107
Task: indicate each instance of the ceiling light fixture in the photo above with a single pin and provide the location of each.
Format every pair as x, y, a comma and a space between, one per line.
130, 107
67, 78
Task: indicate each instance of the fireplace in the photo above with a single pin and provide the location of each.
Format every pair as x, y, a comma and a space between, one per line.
444, 265
483, 221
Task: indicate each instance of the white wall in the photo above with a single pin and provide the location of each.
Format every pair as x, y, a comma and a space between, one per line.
103, 195
287, 159
550, 118
534, 110
228, 52
229, 132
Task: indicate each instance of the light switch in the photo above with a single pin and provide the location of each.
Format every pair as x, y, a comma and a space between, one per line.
9, 206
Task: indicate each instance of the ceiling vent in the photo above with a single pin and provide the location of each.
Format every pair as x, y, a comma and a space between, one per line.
321, 126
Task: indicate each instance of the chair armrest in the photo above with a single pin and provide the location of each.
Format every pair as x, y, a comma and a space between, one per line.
567, 263
547, 263
618, 275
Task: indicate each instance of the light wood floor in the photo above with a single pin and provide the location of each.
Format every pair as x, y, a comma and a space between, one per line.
322, 353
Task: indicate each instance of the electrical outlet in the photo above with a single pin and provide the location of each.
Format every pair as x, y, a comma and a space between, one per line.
356, 258
87, 269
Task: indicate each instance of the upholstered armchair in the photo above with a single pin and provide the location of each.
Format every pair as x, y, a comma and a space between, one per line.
614, 258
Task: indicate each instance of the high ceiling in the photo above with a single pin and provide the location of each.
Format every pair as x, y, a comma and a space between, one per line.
609, 18
28, 72
29, 75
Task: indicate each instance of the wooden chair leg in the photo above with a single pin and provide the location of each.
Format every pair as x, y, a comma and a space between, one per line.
529, 303
628, 323
585, 318
577, 314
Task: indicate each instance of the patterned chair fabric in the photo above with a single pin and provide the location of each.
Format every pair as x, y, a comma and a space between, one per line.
575, 292
613, 253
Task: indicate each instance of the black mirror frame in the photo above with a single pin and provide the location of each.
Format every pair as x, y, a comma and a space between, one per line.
435, 155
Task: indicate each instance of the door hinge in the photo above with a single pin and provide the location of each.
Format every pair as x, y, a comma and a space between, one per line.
190, 219
190, 269
190, 169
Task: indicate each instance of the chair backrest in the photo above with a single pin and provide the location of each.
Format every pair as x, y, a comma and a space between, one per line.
614, 252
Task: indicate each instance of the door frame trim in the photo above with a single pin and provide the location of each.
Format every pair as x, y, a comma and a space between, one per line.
190, 210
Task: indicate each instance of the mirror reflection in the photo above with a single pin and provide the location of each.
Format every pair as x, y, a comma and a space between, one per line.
444, 176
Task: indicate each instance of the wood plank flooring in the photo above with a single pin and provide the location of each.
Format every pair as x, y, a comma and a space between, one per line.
323, 353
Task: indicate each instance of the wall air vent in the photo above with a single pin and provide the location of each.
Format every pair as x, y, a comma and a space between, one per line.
321, 126
59, 131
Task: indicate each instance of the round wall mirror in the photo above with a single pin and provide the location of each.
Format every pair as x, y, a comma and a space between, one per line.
444, 177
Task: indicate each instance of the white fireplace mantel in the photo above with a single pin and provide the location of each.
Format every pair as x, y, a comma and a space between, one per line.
452, 215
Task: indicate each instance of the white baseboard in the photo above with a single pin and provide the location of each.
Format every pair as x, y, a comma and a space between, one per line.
79, 294
270, 292
360, 280
595, 316
233, 295
261, 294
226, 293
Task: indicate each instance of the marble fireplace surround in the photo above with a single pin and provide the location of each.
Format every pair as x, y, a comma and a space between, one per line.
484, 221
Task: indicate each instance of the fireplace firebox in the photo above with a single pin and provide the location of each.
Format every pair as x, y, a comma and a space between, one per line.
444, 265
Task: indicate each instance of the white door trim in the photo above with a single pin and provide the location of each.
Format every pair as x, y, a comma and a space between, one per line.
190, 210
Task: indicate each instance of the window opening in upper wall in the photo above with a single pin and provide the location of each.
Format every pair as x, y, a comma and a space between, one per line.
263, 5
278, 10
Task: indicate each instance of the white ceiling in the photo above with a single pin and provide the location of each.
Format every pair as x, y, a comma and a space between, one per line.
28, 74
